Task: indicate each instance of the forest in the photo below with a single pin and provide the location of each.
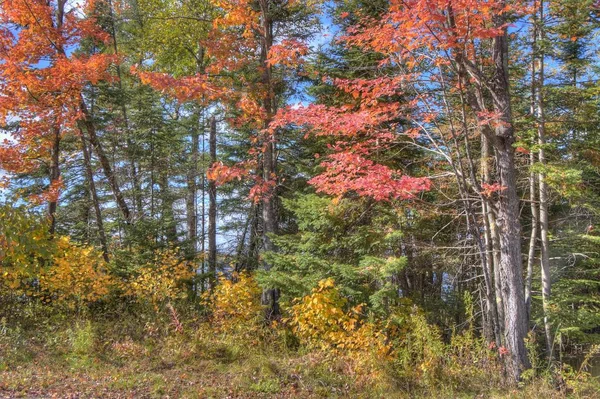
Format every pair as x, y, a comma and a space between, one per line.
299, 198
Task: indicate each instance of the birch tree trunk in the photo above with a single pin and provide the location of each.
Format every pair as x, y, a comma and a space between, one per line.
544, 240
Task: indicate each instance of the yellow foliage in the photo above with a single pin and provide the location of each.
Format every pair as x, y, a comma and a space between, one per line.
320, 322
404, 341
162, 279
77, 274
235, 305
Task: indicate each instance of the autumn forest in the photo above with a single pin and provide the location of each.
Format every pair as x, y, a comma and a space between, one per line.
299, 198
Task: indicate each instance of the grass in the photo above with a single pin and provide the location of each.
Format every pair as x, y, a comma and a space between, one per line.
138, 356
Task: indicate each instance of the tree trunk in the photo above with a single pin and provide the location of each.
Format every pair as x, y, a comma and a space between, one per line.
168, 221
491, 262
242, 242
532, 237
54, 177
91, 129
192, 188
515, 313
544, 240
535, 218
108, 172
270, 296
212, 205
94, 195
137, 189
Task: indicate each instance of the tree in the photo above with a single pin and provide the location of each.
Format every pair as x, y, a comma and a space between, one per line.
43, 79
435, 47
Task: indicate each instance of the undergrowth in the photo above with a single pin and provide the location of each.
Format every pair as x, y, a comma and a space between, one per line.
218, 346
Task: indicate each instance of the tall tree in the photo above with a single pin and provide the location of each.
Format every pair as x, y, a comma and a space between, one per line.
437, 47
43, 80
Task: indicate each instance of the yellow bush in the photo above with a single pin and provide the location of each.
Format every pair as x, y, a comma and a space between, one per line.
320, 322
235, 305
161, 280
25, 247
77, 274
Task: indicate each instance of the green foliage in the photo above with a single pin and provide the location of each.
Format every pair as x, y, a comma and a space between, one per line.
576, 300
378, 299
81, 340
352, 241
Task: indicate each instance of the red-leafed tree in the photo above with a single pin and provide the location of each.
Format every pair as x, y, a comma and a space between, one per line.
444, 74
43, 76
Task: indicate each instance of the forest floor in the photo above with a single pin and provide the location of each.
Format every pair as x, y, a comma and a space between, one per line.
130, 358
270, 378
227, 374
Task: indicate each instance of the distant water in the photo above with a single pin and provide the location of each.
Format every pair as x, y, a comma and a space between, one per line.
593, 366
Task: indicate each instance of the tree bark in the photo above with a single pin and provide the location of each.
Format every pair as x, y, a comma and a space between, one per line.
108, 172
192, 174
532, 238
212, 205
535, 217
515, 314
168, 221
192, 188
544, 240
270, 296
94, 195
55, 151
54, 177
491, 261
137, 189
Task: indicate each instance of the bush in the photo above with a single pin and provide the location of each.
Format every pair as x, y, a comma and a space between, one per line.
162, 280
235, 305
78, 275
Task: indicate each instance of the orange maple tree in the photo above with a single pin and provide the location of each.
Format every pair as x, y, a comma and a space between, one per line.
42, 77
239, 39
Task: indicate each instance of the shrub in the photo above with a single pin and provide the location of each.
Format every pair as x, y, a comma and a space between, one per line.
321, 322
235, 305
162, 280
25, 247
77, 276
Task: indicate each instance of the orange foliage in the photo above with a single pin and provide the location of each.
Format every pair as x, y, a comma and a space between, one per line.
288, 53
43, 78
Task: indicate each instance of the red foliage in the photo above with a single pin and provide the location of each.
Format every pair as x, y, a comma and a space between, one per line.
489, 189
348, 172
197, 88
424, 36
42, 77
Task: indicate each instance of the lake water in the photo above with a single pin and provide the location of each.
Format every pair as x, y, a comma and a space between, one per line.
593, 366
